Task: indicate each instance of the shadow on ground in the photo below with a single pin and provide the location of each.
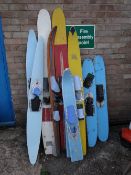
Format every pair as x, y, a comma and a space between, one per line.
109, 158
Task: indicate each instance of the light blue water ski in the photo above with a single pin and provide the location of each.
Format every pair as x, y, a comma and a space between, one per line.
35, 97
101, 97
73, 138
30, 55
7, 114
90, 100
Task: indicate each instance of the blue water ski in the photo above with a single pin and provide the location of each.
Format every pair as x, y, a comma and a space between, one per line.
90, 100
7, 115
30, 55
35, 98
73, 139
101, 97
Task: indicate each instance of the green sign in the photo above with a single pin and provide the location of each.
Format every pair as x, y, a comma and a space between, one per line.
86, 35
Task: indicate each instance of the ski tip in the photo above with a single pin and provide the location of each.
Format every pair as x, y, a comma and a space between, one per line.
72, 30
42, 12
57, 10
32, 153
31, 35
99, 57
87, 59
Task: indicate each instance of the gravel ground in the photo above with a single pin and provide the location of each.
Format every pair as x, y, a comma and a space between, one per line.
109, 158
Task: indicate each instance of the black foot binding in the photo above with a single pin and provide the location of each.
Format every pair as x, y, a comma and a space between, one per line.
88, 80
100, 94
45, 84
72, 30
46, 100
35, 104
89, 107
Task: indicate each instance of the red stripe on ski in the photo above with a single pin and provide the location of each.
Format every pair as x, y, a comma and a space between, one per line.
60, 51
46, 114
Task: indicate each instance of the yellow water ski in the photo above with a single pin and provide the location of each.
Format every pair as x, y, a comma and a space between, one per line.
74, 60
58, 19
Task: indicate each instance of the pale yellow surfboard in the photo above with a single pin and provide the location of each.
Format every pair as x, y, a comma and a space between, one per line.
74, 60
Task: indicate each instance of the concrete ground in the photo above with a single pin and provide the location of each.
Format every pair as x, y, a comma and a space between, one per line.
109, 158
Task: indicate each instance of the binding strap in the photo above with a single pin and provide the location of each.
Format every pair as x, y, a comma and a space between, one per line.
80, 111
88, 80
78, 86
89, 107
54, 84
35, 103
56, 115
46, 100
99, 93
45, 84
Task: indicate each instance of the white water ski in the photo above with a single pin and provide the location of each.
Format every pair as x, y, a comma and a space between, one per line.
35, 97
44, 28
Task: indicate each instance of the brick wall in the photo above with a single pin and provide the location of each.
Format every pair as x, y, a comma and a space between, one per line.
113, 40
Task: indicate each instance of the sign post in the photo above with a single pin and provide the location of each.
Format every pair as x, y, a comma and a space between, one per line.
86, 35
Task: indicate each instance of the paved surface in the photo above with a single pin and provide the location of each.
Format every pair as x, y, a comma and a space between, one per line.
108, 158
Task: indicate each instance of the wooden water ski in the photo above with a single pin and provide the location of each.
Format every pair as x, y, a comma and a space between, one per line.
60, 59
54, 104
